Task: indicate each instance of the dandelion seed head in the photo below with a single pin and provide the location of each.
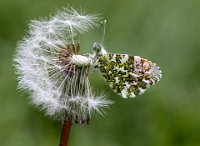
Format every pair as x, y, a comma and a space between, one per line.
49, 67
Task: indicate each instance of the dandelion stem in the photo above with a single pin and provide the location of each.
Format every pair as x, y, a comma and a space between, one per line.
67, 124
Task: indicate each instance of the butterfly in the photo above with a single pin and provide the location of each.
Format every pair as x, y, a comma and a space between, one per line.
127, 76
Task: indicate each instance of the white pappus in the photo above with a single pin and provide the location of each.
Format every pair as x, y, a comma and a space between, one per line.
49, 67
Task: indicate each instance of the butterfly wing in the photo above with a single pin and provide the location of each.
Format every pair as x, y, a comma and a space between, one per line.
127, 75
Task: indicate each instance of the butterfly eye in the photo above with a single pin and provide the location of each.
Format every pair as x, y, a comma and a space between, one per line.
97, 47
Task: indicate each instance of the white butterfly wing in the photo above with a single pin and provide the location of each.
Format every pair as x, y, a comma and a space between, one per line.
127, 75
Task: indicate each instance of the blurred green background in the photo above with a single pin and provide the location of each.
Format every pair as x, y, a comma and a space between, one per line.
164, 31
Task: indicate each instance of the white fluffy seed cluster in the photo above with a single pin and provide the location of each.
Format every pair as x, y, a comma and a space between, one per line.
36, 62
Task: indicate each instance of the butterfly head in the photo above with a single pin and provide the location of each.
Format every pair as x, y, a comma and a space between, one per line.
98, 50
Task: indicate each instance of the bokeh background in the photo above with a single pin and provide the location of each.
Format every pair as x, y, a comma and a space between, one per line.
164, 31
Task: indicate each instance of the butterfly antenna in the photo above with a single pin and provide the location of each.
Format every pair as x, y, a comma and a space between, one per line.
79, 39
103, 23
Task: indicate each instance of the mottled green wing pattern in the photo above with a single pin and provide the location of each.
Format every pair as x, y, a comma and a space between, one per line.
127, 75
